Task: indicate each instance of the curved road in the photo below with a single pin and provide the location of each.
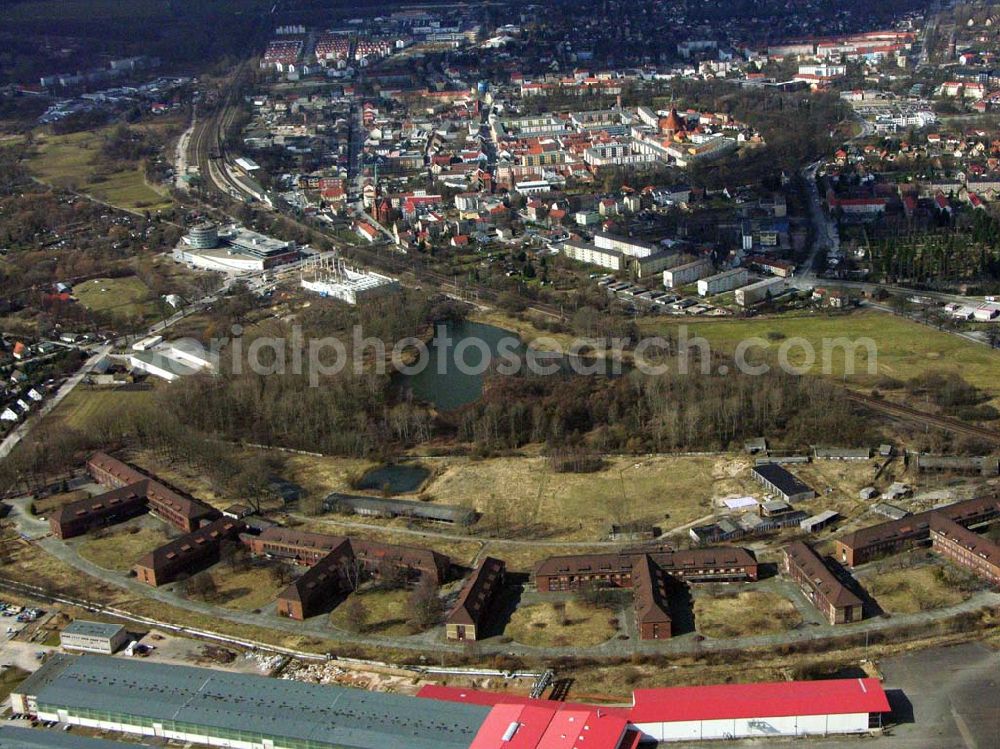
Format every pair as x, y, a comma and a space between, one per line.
33, 528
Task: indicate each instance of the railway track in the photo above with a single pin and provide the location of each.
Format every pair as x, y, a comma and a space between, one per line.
208, 140
912, 414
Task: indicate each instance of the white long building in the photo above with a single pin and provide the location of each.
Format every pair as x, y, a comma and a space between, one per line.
584, 252
723, 282
626, 245
686, 273
769, 710
759, 291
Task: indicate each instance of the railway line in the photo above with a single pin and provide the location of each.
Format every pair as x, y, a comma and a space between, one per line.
912, 414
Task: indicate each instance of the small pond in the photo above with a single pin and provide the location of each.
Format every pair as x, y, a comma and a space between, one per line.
396, 478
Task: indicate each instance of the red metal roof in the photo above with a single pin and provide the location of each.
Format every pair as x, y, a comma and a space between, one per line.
767, 700
539, 727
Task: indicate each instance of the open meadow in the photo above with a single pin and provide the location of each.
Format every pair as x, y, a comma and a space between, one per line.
750, 612
127, 296
904, 348
561, 624
73, 161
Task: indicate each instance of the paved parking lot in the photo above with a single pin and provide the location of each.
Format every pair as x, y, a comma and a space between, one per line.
946, 698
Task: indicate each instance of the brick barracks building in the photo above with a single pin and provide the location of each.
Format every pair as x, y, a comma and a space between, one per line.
884, 539
132, 493
333, 560
188, 554
649, 575
838, 604
979, 555
651, 602
465, 621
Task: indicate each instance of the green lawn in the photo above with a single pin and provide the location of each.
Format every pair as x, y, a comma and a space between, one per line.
121, 548
82, 408
126, 297
385, 613
10, 677
903, 348
69, 161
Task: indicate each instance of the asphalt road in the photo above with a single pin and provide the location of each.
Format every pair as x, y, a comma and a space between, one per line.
948, 698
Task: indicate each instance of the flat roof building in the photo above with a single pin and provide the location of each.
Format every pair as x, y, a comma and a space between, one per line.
238, 711
585, 252
237, 250
766, 710
93, 637
779, 480
13, 737
391, 508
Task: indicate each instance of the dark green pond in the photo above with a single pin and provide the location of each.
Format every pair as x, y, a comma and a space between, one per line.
442, 382
397, 478
448, 385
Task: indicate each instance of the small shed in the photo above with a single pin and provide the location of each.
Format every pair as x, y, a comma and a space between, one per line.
818, 522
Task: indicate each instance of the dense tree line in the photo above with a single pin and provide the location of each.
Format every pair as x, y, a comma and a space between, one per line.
645, 413
967, 250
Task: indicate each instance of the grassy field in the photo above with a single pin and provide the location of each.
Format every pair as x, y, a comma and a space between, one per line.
539, 625
47, 504
70, 161
10, 677
83, 407
127, 296
904, 348
385, 613
911, 590
752, 612
121, 548
664, 491
246, 590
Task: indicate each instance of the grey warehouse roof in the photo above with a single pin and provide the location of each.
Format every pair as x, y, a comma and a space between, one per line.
92, 629
278, 709
405, 507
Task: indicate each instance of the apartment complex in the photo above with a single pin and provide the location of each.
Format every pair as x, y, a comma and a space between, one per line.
711, 564
132, 493
649, 575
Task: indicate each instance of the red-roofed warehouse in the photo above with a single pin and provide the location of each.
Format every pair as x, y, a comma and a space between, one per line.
730, 711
